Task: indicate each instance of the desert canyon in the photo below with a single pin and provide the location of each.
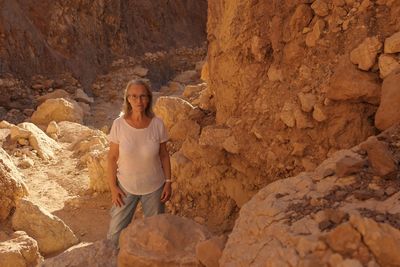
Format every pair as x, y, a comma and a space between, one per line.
283, 119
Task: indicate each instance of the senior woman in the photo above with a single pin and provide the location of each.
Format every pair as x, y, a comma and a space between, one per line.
139, 167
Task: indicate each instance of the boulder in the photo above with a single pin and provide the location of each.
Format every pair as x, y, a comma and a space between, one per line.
97, 167
392, 43
313, 36
12, 186
307, 101
381, 239
19, 251
71, 132
387, 64
388, 112
320, 8
161, 240
53, 130
379, 156
97, 254
48, 230
304, 220
58, 93
5, 125
208, 252
58, 109
81, 96
364, 55
172, 109
44, 145
348, 83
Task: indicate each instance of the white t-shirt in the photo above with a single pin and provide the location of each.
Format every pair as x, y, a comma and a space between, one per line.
139, 165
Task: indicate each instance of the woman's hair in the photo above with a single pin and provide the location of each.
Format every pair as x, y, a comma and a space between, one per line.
127, 108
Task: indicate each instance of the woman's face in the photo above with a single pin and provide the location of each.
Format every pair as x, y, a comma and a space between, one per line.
138, 97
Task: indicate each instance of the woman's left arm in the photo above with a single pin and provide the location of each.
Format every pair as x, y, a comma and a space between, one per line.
166, 165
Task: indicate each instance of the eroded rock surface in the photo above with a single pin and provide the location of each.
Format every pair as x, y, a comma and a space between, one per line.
161, 240
322, 218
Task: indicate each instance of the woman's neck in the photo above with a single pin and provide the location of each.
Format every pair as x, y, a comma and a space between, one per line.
138, 116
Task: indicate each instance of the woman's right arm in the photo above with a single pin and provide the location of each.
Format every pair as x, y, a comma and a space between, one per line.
116, 192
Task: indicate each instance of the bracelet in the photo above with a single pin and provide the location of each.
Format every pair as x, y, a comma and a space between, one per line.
168, 181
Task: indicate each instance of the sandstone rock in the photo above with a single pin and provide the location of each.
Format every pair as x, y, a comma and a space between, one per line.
71, 132
44, 145
204, 72
97, 167
193, 90
207, 100
231, 145
58, 93
81, 96
382, 239
320, 8
387, 64
314, 35
300, 19
161, 240
388, 112
187, 77
364, 55
140, 71
12, 186
349, 165
318, 113
184, 128
19, 133
5, 125
285, 218
298, 149
214, 136
235, 190
49, 231
275, 74
348, 83
53, 129
379, 156
58, 109
25, 163
97, 254
287, 115
339, 3
307, 101
20, 251
392, 43
302, 121
344, 239
172, 109
208, 252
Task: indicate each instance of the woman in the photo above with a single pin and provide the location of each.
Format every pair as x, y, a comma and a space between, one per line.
138, 161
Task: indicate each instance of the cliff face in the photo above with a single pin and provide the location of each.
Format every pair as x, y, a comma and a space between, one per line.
285, 83
83, 37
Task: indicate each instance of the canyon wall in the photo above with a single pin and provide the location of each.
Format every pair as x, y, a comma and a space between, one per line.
285, 83
293, 82
83, 37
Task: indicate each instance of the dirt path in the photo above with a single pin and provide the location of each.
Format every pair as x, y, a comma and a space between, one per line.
61, 187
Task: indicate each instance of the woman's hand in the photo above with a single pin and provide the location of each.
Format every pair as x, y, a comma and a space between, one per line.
166, 193
116, 196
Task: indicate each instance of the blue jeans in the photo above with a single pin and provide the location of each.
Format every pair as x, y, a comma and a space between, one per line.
122, 216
